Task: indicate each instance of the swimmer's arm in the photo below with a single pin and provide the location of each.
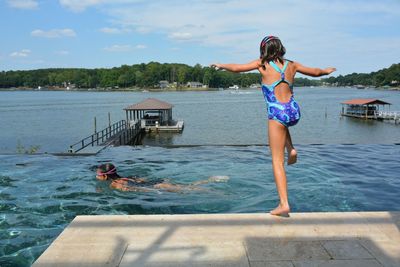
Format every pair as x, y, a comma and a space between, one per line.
200, 182
136, 179
125, 187
238, 67
177, 188
314, 72
212, 179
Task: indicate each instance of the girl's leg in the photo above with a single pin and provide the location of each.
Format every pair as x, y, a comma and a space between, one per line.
292, 153
277, 142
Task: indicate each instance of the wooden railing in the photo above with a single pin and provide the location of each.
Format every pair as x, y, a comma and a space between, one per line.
388, 114
130, 136
99, 137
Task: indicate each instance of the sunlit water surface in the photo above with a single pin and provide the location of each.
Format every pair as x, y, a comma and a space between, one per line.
41, 194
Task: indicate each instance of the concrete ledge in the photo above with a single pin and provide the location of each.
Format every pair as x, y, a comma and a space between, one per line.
304, 239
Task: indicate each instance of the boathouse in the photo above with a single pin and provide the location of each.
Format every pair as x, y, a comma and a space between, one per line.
367, 108
154, 115
150, 115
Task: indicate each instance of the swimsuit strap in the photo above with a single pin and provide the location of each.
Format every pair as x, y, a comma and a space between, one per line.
285, 66
275, 66
282, 72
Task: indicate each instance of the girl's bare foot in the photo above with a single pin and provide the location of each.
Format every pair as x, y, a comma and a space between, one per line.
292, 157
281, 210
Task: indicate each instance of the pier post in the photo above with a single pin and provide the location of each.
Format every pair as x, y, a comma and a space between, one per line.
95, 125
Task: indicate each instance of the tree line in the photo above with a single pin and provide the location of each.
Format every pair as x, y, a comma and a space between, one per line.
149, 75
138, 75
384, 77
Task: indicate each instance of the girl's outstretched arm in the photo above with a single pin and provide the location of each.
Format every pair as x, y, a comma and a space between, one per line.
125, 187
314, 72
238, 67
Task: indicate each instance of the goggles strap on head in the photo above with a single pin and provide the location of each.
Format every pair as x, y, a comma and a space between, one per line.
112, 171
265, 41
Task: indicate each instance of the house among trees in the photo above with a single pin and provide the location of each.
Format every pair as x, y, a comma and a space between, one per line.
163, 84
68, 85
194, 85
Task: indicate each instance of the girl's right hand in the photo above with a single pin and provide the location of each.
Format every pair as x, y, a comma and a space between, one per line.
329, 70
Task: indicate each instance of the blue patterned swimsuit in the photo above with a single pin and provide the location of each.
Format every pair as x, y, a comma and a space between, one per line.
286, 113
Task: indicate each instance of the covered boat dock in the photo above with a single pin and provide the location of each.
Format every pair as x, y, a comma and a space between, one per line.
150, 115
153, 115
366, 108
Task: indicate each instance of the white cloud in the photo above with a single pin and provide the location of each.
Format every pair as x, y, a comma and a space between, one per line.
62, 52
23, 4
81, 5
118, 48
109, 30
181, 36
55, 33
124, 48
22, 53
313, 31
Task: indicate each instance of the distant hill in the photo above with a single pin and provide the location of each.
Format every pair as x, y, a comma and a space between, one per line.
383, 77
139, 75
179, 75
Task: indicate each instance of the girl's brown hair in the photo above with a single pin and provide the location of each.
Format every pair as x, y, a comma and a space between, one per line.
271, 49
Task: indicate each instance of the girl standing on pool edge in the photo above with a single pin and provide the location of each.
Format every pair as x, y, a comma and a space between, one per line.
283, 111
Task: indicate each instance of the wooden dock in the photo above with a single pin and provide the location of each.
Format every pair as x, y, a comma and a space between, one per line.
119, 133
369, 109
391, 116
388, 115
345, 239
150, 115
173, 127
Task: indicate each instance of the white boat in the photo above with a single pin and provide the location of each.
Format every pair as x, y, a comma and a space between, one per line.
235, 87
255, 86
237, 92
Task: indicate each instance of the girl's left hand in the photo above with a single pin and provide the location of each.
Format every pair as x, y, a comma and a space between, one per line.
330, 70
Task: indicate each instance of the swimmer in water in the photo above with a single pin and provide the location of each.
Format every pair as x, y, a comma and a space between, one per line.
108, 172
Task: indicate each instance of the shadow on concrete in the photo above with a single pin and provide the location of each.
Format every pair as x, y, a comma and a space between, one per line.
314, 239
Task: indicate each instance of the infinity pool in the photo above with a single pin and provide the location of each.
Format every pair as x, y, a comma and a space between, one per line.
41, 194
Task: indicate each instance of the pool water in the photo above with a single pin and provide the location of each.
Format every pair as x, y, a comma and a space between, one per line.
41, 194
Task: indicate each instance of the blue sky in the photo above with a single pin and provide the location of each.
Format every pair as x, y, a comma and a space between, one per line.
354, 36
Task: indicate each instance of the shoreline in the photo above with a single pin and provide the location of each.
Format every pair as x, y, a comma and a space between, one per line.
185, 89
139, 90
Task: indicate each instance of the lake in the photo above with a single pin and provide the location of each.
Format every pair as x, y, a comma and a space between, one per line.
55, 120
